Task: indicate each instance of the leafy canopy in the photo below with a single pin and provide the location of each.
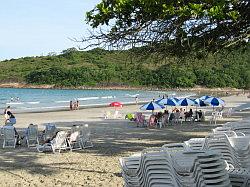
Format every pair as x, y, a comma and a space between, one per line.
175, 25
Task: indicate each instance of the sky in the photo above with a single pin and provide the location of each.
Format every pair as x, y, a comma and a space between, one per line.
38, 27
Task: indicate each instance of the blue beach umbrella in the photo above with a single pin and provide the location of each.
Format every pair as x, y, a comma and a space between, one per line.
168, 101
204, 97
151, 106
199, 102
176, 99
186, 102
214, 101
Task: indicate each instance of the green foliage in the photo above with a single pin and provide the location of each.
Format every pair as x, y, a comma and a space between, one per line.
179, 26
100, 67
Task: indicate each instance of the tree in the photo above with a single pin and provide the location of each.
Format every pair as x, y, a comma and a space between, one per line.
69, 50
174, 26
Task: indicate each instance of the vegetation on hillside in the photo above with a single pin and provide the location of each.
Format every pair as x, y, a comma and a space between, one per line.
99, 67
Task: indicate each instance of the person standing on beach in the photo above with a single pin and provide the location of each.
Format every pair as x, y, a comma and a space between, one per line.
77, 105
7, 109
136, 100
71, 105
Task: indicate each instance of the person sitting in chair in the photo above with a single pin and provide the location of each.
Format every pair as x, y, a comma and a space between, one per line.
11, 120
199, 115
165, 117
171, 118
189, 114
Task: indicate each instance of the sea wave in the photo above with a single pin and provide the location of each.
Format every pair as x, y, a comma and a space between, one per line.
62, 101
108, 97
87, 98
133, 95
33, 102
14, 103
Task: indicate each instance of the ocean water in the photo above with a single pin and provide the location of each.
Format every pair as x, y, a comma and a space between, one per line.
31, 100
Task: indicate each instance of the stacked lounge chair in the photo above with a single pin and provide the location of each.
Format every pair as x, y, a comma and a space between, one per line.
235, 150
220, 159
174, 166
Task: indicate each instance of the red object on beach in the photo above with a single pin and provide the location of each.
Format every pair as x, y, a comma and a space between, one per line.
116, 104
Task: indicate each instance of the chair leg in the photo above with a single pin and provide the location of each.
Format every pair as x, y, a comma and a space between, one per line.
69, 144
15, 141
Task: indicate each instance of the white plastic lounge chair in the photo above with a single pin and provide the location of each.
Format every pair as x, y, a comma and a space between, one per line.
107, 115
213, 118
117, 114
32, 135
50, 130
195, 143
219, 115
85, 136
74, 141
58, 143
229, 112
9, 137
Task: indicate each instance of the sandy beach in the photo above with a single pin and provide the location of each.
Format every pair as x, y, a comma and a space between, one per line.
97, 166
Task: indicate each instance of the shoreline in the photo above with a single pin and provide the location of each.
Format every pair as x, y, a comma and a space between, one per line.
82, 107
46, 86
97, 113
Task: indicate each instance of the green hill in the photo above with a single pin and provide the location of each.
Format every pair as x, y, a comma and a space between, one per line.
100, 67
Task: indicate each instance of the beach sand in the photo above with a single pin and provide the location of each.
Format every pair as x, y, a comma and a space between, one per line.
97, 166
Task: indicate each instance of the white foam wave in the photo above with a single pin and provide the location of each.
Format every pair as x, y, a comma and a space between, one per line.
12, 103
33, 102
87, 98
62, 101
107, 97
135, 95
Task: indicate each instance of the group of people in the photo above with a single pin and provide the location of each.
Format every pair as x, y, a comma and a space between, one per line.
175, 116
74, 105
